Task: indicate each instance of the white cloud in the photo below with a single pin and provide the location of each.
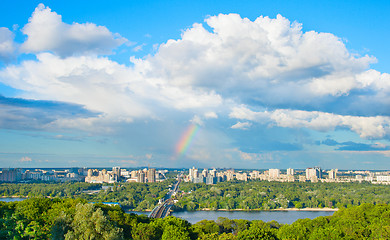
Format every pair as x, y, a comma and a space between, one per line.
47, 32
367, 127
266, 59
380, 82
118, 93
197, 120
371, 153
208, 115
242, 125
96, 83
7, 45
255, 157
243, 112
25, 159
138, 48
91, 124
132, 162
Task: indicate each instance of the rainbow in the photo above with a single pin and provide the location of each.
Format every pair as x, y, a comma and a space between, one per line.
186, 139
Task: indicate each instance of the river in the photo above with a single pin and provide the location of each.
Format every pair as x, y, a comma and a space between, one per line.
11, 199
279, 216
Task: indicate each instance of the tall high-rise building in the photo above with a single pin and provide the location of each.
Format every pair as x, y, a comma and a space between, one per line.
134, 174
290, 171
310, 173
313, 174
151, 175
191, 173
195, 173
213, 172
242, 176
141, 177
96, 176
10, 175
319, 172
332, 174
205, 172
116, 171
230, 174
254, 174
211, 180
274, 173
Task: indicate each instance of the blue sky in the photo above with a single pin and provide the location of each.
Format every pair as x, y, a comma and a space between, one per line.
270, 84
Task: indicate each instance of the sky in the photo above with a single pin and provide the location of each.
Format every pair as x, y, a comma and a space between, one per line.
225, 84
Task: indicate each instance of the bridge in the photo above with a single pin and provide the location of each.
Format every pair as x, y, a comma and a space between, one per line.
163, 210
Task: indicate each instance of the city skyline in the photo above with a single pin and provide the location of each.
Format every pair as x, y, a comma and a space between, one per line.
195, 175
176, 84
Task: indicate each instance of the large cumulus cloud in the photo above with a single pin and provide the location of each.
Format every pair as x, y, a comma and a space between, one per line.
47, 32
303, 79
101, 85
269, 60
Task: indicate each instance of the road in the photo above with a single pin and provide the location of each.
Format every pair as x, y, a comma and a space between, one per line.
162, 210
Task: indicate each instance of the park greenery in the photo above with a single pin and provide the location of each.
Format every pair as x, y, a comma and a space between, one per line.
137, 196
232, 195
54, 218
264, 195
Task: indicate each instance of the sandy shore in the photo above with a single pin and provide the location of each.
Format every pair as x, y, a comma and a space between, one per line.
132, 210
226, 210
326, 209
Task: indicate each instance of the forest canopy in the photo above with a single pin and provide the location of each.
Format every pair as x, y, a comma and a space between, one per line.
251, 195
43, 218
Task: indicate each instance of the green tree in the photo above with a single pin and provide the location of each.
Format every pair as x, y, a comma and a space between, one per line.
175, 232
90, 223
61, 226
176, 228
145, 231
256, 232
205, 227
227, 236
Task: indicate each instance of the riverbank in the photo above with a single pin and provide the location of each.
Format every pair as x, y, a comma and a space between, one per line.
230, 210
325, 209
137, 211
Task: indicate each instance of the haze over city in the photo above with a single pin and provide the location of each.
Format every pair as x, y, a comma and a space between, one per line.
253, 84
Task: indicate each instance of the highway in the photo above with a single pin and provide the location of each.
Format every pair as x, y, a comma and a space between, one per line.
163, 210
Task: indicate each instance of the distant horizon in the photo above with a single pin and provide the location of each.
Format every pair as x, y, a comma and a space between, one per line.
217, 168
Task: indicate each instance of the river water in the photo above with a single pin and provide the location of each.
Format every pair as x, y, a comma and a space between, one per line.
266, 216
16, 199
